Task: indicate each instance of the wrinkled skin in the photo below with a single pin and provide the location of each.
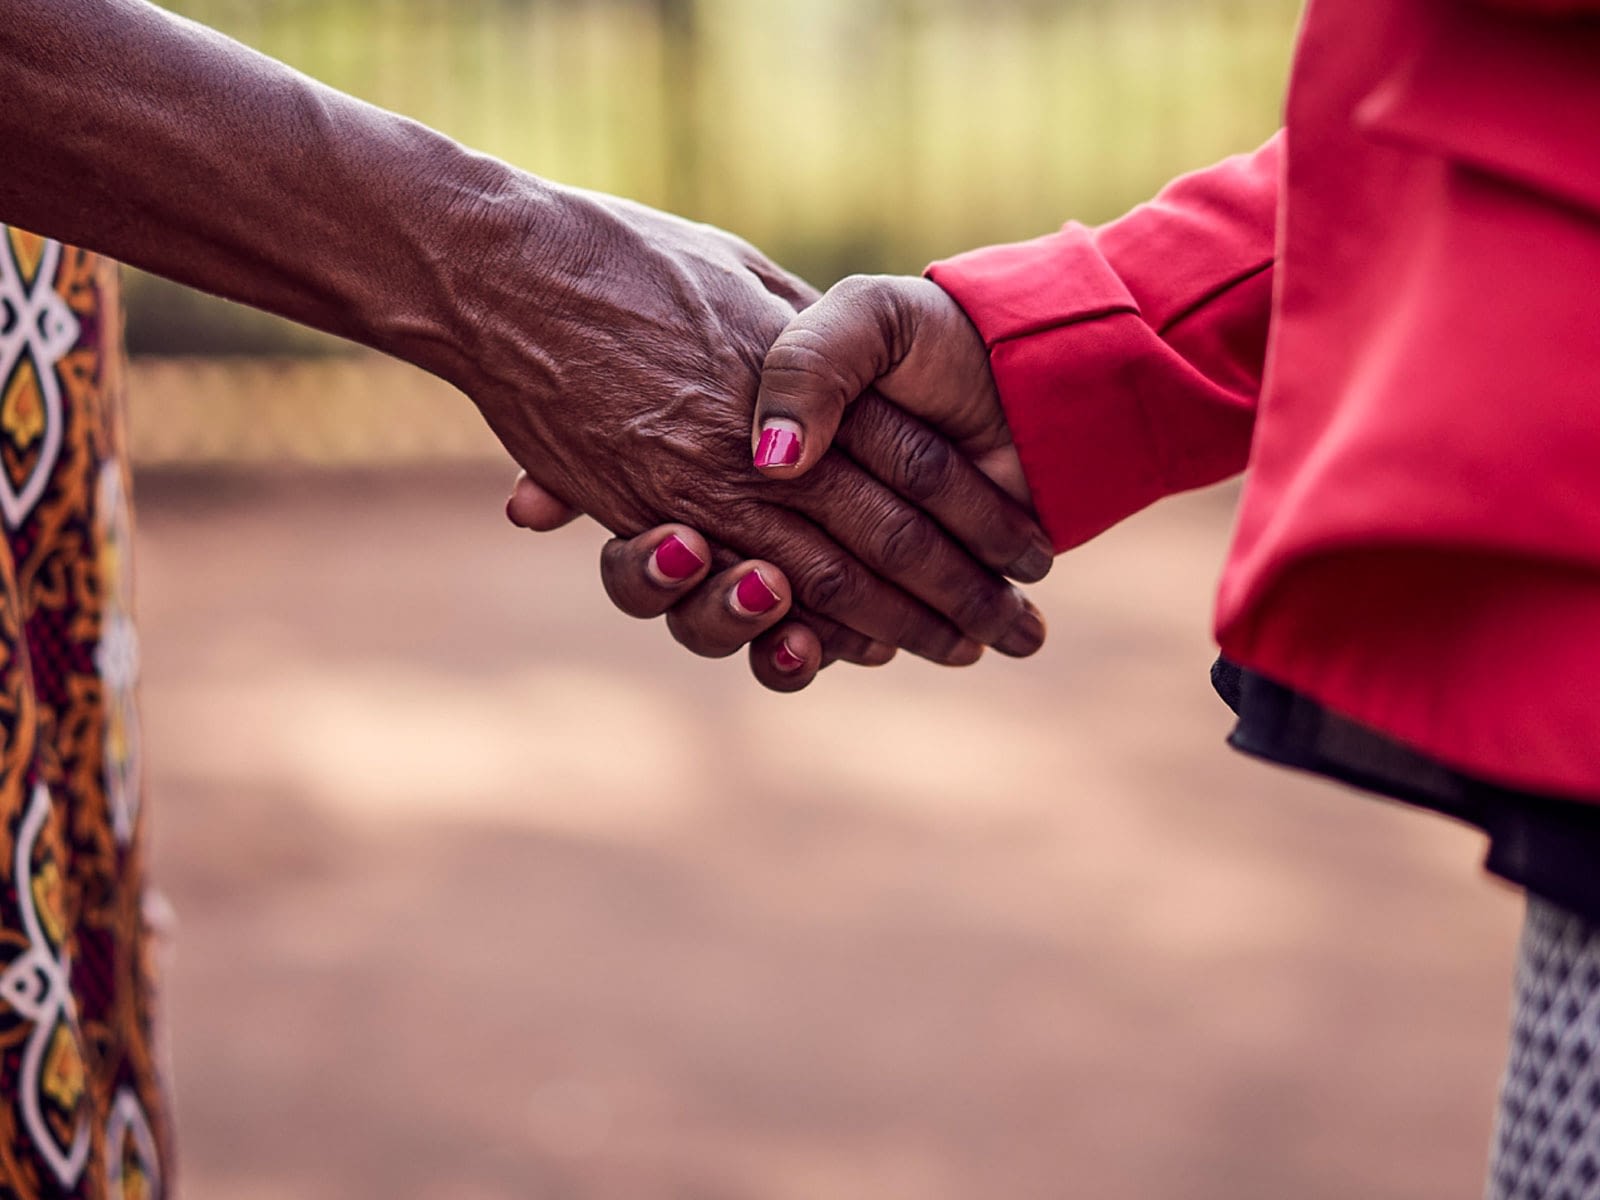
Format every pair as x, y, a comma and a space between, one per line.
648, 341
868, 338
613, 349
908, 341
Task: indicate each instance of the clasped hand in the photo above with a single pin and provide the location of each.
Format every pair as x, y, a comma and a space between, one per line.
874, 503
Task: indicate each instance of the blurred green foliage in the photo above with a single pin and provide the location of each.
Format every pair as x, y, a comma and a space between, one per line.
839, 135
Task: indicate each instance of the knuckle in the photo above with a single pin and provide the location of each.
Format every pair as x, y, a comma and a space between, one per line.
879, 301
830, 586
799, 351
802, 366
923, 464
857, 290
903, 543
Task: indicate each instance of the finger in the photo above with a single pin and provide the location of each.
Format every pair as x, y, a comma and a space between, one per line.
789, 656
667, 567
826, 357
732, 607
840, 643
786, 658
647, 575
532, 507
1038, 619
920, 464
904, 546
834, 583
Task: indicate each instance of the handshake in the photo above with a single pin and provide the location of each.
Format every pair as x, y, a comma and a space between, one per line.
875, 504
874, 501
616, 351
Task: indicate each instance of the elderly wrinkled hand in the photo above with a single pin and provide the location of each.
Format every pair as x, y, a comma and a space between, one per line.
624, 388
824, 384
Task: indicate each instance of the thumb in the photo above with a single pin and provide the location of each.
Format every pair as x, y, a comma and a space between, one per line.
827, 357
531, 506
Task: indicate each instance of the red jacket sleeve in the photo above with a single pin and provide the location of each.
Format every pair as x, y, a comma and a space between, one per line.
1544, 8
1129, 357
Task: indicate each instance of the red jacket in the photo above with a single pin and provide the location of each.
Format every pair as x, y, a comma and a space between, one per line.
1391, 314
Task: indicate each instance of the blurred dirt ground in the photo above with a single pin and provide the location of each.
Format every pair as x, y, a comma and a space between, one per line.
486, 891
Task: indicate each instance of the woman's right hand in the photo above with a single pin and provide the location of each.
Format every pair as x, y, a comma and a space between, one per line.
713, 608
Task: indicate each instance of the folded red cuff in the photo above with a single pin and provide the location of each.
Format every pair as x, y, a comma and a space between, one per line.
1070, 355
1061, 330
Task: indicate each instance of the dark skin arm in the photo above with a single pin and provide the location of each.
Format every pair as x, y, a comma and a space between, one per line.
613, 349
868, 338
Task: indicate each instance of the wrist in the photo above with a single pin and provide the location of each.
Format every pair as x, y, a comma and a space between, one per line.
476, 230
526, 280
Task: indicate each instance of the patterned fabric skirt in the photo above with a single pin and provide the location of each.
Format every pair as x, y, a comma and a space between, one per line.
81, 1112
1547, 1136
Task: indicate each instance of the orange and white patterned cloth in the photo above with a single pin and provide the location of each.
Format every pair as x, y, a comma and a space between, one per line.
81, 1110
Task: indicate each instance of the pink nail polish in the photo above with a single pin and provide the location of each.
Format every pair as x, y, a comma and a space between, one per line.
676, 561
753, 595
778, 447
786, 659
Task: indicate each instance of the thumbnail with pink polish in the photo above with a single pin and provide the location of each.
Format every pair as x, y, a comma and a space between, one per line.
778, 447
753, 594
675, 560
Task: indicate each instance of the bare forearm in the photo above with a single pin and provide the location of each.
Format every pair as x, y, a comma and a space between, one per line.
613, 349
166, 145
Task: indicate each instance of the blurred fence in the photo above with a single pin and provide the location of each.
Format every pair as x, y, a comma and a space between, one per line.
838, 135
323, 410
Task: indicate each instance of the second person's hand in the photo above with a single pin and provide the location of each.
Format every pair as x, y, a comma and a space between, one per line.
825, 381
906, 339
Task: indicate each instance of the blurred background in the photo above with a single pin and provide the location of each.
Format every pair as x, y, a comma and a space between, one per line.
485, 891
840, 136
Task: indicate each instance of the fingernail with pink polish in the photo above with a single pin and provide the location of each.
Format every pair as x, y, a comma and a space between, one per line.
753, 596
779, 445
786, 659
675, 561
